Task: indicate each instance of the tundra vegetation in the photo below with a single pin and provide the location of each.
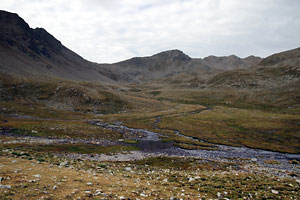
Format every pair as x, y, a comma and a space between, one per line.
165, 126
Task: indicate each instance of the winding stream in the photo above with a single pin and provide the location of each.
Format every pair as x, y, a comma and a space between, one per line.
150, 142
151, 145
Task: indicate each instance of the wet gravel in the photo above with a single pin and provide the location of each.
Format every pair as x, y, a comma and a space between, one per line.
150, 143
4, 131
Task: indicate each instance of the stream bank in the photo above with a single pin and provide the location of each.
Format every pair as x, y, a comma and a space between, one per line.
150, 144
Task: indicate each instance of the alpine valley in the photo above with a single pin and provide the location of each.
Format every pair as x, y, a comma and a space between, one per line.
165, 126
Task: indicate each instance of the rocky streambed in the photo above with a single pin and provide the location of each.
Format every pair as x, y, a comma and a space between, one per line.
150, 144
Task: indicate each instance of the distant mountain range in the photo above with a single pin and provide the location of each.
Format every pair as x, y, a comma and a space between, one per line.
37, 54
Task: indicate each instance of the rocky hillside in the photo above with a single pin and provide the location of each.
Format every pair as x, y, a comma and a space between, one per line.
34, 52
230, 62
281, 70
141, 69
174, 62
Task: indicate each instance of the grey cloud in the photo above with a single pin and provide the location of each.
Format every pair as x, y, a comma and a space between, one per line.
113, 30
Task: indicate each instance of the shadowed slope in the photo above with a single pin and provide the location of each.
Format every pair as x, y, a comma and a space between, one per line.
35, 52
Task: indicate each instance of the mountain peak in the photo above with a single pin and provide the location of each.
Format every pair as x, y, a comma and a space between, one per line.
14, 31
173, 54
12, 23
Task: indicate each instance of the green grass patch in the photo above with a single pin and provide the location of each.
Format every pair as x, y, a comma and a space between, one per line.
193, 147
155, 93
233, 126
131, 141
73, 148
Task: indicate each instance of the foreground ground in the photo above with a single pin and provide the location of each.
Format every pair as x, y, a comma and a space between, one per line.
87, 141
59, 159
47, 176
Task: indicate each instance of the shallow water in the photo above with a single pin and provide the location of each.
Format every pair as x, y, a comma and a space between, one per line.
149, 142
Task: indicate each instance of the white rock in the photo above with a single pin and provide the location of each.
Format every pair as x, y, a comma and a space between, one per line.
5, 186
191, 179
37, 176
98, 192
254, 159
128, 169
274, 191
143, 195
65, 163
89, 184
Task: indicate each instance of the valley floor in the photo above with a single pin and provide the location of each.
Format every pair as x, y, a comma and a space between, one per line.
56, 142
39, 160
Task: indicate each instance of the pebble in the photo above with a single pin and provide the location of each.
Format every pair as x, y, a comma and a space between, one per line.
98, 192
89, 184
64, 164
54, 187
75, 191
128, 169
5, 186
37, 176
274, 191
191, 179
143, 195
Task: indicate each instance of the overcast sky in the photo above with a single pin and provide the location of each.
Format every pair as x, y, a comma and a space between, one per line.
114, 30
